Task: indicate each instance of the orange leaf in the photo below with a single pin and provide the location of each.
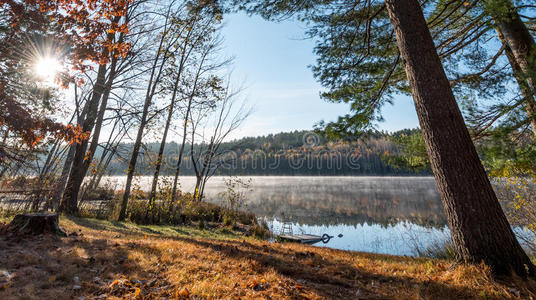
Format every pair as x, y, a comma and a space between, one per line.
184, 293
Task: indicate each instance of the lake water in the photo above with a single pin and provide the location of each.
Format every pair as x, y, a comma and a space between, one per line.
390, 215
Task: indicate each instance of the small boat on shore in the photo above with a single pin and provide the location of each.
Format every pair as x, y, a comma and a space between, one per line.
304, 238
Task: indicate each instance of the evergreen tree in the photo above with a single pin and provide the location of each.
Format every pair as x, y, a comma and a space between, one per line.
478, 225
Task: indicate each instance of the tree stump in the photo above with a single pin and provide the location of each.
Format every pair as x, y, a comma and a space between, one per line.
35, 224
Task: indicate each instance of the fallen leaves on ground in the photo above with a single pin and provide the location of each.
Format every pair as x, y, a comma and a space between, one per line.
121, 261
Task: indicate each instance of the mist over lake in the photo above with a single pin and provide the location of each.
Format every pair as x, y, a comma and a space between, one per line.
392, 215
305, 134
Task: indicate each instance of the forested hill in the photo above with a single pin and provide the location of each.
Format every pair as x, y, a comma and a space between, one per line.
286, 153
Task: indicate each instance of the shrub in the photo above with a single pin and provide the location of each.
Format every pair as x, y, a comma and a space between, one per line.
185, 210
260, 229
246, 218
22, 182
516, 189
234, 195
105, 192
229, 219
201, 225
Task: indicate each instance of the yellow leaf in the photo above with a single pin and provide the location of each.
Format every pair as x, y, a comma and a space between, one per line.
137, 293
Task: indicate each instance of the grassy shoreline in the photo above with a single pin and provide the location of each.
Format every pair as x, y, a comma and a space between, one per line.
118, 260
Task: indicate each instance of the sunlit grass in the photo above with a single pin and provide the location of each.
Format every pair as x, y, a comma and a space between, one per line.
132, 261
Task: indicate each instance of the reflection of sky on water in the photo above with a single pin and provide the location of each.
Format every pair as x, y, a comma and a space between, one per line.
403, 238
399, 239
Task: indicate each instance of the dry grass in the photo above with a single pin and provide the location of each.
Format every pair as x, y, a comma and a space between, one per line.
123, 260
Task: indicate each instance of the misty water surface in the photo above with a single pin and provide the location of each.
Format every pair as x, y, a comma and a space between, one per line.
393, 215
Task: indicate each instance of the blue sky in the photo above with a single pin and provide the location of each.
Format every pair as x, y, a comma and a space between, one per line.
271, 62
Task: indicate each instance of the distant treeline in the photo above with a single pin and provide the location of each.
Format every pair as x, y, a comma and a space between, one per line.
287, 153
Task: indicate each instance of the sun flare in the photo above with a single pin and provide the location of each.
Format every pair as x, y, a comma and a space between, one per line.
46, 69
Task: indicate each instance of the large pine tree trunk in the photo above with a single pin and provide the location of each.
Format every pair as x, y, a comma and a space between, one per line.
480, 230
104, 105
76, 183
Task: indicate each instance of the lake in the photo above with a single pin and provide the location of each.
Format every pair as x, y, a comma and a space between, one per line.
389, 215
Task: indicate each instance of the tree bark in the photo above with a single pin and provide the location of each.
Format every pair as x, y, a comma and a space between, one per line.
91, 184
181, 152
66, 170
69, 203
479, 228
156, 174
100, 118
154, 79
134, 157
517, 36
524, 86
186, 117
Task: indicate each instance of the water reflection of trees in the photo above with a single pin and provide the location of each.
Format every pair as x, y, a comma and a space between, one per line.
384, 201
